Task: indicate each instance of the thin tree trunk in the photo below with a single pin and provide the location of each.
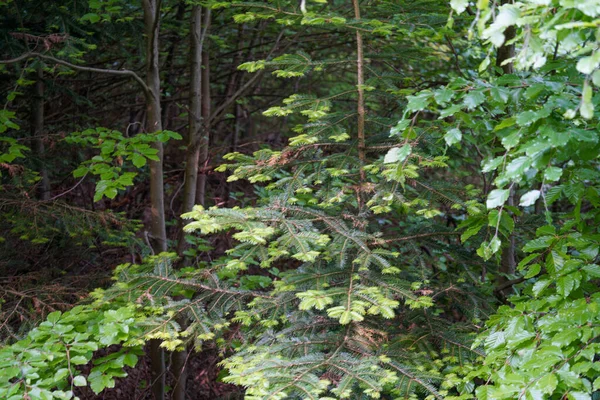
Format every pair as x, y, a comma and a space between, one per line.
508, 261
237, 131
154, 124
191, 170
205, 137
170, 73
232, 87
38, 133
194, 117
506, 51
360, 75
178, 360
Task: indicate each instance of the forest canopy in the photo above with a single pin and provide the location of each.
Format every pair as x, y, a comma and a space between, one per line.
314, 199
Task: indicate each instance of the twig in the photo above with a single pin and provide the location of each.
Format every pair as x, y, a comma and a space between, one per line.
455, 56
508, 284
63, 193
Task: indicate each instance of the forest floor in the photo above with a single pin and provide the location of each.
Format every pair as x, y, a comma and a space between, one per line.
201, 384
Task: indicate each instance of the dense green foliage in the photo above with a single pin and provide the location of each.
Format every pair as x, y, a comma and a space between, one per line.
429, 229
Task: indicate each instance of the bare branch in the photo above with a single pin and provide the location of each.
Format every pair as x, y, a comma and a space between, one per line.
123, 72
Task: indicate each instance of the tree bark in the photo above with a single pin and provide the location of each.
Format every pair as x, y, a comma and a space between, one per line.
157, 207
360, 81
178, 360
205, 136
506, 51
169, 108
191, 169
154, 124
38, 133
194, 113
508, 261
237, 130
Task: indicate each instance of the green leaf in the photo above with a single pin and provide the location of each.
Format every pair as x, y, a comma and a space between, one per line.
552, 174
483, 66
565, 285
111, 193
450, 111
587, 108
587, 65
500, 94
533, 270
491, 165
487, 250
397, 154
419, 102
54, 317
565, 337
61, 374
538, 244
138, 160
596, 78
540, 286
472, 230
529, 198
592, 270
497, 197
453, 136
511, 140
81, 171
574, 192
443, 96
400, 127
494, 340
526, 261
98, 382
93, 18
130, 360
459, 5
517, 167
579, 396
547, 383
528, 117
79, 380
174, 135
482, 392
505, 124
474, 98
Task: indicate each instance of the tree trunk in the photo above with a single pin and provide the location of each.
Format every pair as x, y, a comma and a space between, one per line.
157, 207
191, 169
506, 51
237, 130
178, 359
204, 139
154, 124
194, 118
170, 72
360, 81
508, 260
37, 132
